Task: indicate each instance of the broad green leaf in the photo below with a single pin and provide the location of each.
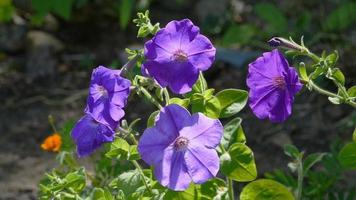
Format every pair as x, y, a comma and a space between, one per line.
265, 189
125, 10
275, 19
151, 120
239, 34
128, 182
182, 102
232, 101
239, 163
62, 8
341, 18
352, 91
311, 160
210, 107
192, 193
347, 156
101, 194
120, 149
233, 133
291, 151
215, 189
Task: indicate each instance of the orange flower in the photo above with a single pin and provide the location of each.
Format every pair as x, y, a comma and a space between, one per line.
52, 143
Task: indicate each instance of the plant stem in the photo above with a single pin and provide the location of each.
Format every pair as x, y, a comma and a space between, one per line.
149, 97
300, 178
138, 167
231, 188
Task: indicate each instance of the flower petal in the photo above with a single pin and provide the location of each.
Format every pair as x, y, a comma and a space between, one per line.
203, 130
202, 163
201, 52
182, 31
89, 135
172, 171
152, 144
172, 119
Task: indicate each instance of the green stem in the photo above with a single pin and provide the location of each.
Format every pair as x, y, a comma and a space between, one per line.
300, 179
322, 91
133, 139
228, 180
138, 167
149, 97
231, 188
166, 95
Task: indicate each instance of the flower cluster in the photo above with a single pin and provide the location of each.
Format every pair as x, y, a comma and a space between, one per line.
107, 97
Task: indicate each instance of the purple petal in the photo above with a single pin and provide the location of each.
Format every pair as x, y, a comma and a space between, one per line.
89, 135
201, 52
281, 113
182, 31
172, 119
203, 130
172, 172
152, 144
180, 77
202, 163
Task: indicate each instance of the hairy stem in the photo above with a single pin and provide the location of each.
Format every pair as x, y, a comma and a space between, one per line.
138, 167
149, 97
231, 188
300, 179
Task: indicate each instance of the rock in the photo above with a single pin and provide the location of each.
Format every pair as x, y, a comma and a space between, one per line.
37, 39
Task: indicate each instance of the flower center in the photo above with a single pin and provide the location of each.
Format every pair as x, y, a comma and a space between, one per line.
180, 56
181, 143
102, 91
279, 82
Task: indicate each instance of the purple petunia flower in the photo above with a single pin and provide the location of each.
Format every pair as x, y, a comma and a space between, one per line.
181, 147
89, 134
273, 84
176, 54
107, 96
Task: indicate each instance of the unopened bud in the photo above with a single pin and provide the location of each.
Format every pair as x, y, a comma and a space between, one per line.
281, 42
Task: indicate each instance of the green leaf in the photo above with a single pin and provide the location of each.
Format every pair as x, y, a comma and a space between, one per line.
67, 142
275, 19
151, 120
200, 86
125, 10
239, 163
182, 102
264, 189
6, 10
232, 101
338, 76
233, 133
120, 149
352, 91
75, 180
128, 182
347, 156
101, 194
239, 34
291, 151
210, 107
62, 8
311, 160
192, 193
215, 189
41, 7
354, 135
341, 18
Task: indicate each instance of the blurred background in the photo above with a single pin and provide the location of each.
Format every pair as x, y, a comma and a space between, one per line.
49, 47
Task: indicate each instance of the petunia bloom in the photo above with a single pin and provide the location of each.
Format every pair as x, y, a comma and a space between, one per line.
107, 95
181, 147
52, 143
176, 54
88, 134
273, 84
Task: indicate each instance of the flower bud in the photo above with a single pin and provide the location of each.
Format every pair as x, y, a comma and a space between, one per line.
282, 42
